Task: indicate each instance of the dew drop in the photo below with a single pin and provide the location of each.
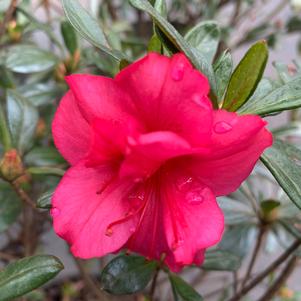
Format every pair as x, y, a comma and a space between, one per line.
184, 184
132, 229
109, 232
177, 72
195, 197
55, 212
222, 127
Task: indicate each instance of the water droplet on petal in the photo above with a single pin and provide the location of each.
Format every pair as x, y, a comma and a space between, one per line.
222, 127
201, 101
184, 184
54, 212
109, 232
195, 197
177, 72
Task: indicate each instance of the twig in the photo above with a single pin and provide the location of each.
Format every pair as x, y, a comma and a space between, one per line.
8, 16
254, 256
281, 280
154, 284
267, 271
235, 16
88, 281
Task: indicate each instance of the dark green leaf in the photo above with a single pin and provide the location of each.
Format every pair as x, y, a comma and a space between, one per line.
294, 24
22, 120
127, 274
6, 78
205, 38
29, 59
69, 36
182, 290
43, 156
178, 43
284, 162
44, 201
5, 136
220, 260
246, 76
88, 27
223, 70
10, 206
24, 275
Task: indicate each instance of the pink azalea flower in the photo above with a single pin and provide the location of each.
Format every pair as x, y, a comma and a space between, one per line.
148, 157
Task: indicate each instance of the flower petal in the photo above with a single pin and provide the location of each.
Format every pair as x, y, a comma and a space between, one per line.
85, 205
71, 132
235, 153
99, 97
170, 96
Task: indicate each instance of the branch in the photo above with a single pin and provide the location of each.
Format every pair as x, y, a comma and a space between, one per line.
281, 280
267, 271
8, 16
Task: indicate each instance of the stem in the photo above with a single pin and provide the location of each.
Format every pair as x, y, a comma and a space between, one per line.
8, 16
281, 280
23, 195
88, 281
267, 271
154, 284
254, 256
236, 13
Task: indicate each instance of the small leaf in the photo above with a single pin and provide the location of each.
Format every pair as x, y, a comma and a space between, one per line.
223, 70
48, 171
267, 206
10, 206
183, 291
27, 274
155, 44
88, 27
161, 7
205, 38
69, 35
29, 59
220, 260
175, 42
284, 162
22, 120
285, 97
127, 274
44, 201
246, 76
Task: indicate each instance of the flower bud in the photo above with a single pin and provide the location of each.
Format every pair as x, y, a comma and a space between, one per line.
11, 166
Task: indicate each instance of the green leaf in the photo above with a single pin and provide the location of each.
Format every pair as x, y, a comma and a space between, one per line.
69, 36
44, 201
161, 7
29, 59
6, 78
289, 227
27, 274
205, 38
22, 120
155, 44
267, 206
43, 156
246, 76
176, 43
220, 260
48, 171
10, 206
5, 136
284, 162
285, 97
127, 274
88, 27
182, 290
223, 70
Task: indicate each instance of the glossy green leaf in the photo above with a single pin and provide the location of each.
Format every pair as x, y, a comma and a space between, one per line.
205, 38
29, 59
88, 27
10, 206
44, 201
182, 290
69, 35
127, 274
246, 76
24, 275
175, 42
220, 260
284, 162
223, 70
285, 97
22, 120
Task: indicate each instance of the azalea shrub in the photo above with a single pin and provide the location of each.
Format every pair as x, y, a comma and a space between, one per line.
133, 141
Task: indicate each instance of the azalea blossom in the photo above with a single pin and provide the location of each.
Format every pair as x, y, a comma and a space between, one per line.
148, 156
